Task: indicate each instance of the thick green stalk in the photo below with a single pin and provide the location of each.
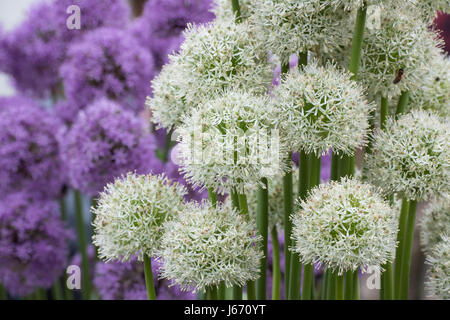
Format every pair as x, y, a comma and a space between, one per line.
355, 285
276, 276
402, 103
243, 206
212, 196
236, 10
358, 35
331, 287
262, 221
221, 291
407, 250
211, 293
3, 294
150, 285
340, 287
302, 59
383, 112
237, 290
288, 199
400, 239
324, 285
308, 282
41, 294
349, 285
387, 283
334, 173
68, 295
81, 228
57, 291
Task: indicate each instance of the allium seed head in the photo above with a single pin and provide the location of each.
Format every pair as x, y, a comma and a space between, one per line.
344, 225
412, 156
208, 245
230, 142
438, 284
435, 223
130, 215
321, 108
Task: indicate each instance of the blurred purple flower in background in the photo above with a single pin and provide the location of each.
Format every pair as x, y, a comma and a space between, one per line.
105, 142
161, 25
33, 243
107, 63
29, 153
33, 52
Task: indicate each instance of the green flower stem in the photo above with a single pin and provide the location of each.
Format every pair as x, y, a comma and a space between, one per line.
334, 173
150, 285
387, 282
237, 291
331, 287
302, 59
349, 285
201, 296
63, 209
211, 293
407, 250
383, 112
221, 290
304, 173
402, 103
399, 252
262, 221
324, 284
340, 288
276, 272
288, 199
212, 196
236, 10
355, 285
3, 294
308, 282
57, 291
355, 58
81, 228
41, 294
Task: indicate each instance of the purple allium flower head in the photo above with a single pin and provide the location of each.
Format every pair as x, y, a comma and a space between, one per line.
118, 280
29, 152
33, 243
34, 51
162, 22
108, 63
105, 142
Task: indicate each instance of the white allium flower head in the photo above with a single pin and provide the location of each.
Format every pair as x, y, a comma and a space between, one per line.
438, 284
321, 108
294, 26
435, 223
207, 245
344, 226
213, 57
412, 156
231, 142
276, 205
395, 52
130, 214
224, 10
433, 91
430, 8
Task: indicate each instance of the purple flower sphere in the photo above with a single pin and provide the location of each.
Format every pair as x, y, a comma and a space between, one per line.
33, 243
162, 22
33, 52
105, 142
29, 152
108, 63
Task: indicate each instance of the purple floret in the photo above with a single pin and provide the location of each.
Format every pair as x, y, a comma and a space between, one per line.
106, 142
29, 152
162, 22
33, 52
33, 243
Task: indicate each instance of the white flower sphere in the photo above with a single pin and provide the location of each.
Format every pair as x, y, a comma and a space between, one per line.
430, 8
435, 223
130, 214
212, 58
438, 284
208, 245
433, 92
295, 26
230, 142
344, 225
321, 108
412, 156
394, 53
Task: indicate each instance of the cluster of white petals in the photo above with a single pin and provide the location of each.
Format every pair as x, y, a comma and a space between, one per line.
224, 11
231, 142
395, 51
130, 215
344, 226
438, 284
412, 156
322, 108
208, 245
212, 58
435, 223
